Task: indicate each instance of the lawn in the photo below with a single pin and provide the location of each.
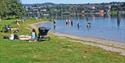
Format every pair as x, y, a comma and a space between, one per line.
57, 50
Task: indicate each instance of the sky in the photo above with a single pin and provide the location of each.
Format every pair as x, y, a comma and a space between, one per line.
69, 1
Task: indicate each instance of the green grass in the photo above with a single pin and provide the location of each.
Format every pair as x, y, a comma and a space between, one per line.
57, 50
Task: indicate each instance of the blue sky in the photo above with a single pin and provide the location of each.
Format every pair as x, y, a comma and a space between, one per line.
69, 1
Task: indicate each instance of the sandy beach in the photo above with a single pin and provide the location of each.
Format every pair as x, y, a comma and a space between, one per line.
107, 45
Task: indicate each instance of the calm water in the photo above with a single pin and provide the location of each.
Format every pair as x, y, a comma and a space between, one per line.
109, 28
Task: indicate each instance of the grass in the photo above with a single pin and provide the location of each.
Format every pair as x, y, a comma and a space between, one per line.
57, 50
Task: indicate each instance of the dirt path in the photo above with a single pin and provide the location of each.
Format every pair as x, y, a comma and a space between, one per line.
36, 25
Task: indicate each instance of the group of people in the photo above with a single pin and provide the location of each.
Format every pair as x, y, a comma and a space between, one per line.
32, 37
8, 28
42, 35
69, 21
13, 36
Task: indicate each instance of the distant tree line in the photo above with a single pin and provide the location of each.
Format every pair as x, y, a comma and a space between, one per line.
11, 8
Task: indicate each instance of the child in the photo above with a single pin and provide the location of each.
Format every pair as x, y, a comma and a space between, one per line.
33, 36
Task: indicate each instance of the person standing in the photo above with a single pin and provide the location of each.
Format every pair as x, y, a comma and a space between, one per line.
18, 24
66, 21
54, 21
88, 25
71, 22
54, 24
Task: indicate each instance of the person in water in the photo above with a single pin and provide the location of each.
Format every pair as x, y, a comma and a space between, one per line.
118, 19
54, 21
88, 25
33, 35
71, 22
54, 24
66, 22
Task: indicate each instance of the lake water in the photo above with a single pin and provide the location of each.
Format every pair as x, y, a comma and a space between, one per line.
109, 28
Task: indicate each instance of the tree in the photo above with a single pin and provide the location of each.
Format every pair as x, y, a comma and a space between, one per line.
11, 8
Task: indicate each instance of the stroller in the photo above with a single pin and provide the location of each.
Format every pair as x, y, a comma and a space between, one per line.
42, 35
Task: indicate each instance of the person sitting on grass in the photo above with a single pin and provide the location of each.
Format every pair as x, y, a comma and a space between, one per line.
33, 35
13, 37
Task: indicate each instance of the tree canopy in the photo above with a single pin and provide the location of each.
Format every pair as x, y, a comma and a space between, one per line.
11, 8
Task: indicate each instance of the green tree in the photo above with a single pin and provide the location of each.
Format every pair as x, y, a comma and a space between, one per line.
11, 8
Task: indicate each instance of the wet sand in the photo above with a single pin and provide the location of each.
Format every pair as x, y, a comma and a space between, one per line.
104, 44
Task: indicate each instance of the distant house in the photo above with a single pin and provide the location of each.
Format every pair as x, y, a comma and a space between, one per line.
50, 9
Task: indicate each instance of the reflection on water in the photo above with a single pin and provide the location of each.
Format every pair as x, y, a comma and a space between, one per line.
54, 27
78, 26
109, 28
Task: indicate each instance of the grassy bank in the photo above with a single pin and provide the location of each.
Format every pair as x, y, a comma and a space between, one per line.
57, 50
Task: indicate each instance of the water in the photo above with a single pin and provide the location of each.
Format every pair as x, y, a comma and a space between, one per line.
109, 28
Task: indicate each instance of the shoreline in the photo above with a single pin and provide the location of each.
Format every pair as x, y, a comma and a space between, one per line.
36, 25
107, 45
93, 40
